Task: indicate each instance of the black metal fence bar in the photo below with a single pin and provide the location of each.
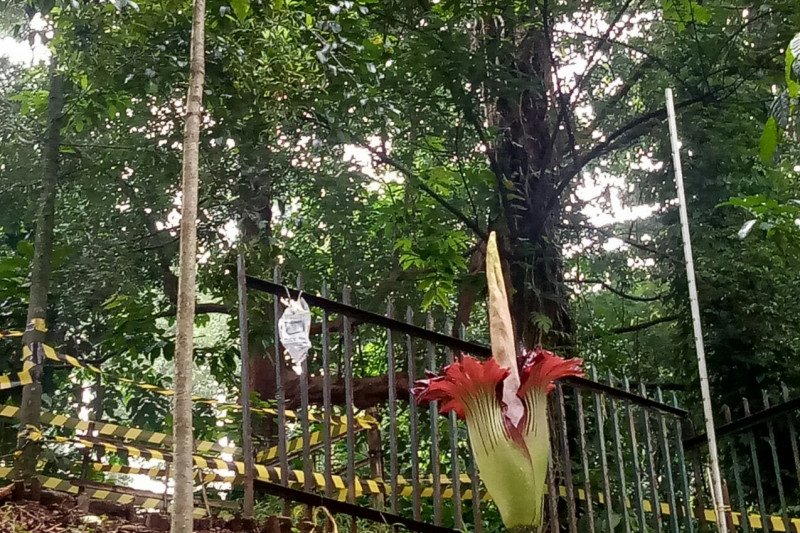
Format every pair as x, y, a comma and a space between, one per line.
751, 441
663, 433
413, 429
279, 391
748, 421
599, 409
587, 479
737, 477
455, 471
623, 485
687, 503
360, 315
552, 492
308, 483
347, 360
566, 460
326, 398
391, 373
776, 464
637, 474
433, 412
792, 434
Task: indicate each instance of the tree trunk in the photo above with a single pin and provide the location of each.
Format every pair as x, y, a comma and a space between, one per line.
30, 409
184, 343
523, 155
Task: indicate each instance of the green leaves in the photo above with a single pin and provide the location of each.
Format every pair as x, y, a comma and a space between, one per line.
241, 8
684, 12
769, 141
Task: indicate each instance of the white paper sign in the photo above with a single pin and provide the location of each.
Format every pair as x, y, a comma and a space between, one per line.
293, 328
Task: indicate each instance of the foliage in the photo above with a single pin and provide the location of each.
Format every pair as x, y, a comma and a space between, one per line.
371, 143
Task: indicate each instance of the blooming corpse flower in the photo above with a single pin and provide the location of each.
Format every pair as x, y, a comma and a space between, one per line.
504, 403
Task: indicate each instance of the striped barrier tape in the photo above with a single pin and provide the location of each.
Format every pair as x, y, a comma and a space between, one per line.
234, 471
37, 324
9, 334
363, 420
62, 485
260, 472
105, 429
15, 379
294, 446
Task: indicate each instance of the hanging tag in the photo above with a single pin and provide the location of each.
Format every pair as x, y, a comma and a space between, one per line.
293, 328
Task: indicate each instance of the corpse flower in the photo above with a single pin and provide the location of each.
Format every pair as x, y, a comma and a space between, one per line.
504, 403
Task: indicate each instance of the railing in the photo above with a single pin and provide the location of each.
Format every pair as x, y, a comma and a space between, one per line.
344, 435
618, 461
760, 463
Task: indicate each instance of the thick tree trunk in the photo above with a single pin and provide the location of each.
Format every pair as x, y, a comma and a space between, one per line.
524, 155
183, 504
30, 410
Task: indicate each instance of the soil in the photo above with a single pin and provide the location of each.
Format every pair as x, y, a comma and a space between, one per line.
59, 513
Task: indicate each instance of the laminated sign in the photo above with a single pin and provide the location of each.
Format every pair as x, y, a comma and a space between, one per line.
293, 328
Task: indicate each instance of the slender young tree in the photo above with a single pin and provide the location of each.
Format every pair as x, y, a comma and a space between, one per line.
184, 342
30, 409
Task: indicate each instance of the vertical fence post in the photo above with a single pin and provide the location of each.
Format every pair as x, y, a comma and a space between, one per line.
326, 398
599, 409
433, 411
737, 477
623, 485
247, 427
651, 467
687, 504
566, 460
673, 507
413, 430
792, 433
637, 471
762, 508
308, 482
280, 394
552, 482
348, 399
776, 464
587, 481
391, 374
455, 473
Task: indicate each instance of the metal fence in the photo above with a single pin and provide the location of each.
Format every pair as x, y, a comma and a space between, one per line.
624, 457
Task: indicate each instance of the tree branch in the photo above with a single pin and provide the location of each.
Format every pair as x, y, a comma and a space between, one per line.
616, 291
624, 135
388, 160
641, 325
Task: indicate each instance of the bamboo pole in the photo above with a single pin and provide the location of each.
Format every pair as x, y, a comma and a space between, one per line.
716, 480
247, 424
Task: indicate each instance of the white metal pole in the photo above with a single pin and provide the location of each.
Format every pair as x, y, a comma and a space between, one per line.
716, 480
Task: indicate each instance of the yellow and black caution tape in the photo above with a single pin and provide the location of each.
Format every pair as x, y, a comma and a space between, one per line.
294, 446
218, 470
105, 429
108, 430
363, 420
15, 379
158, 472
62, 485
36, 324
